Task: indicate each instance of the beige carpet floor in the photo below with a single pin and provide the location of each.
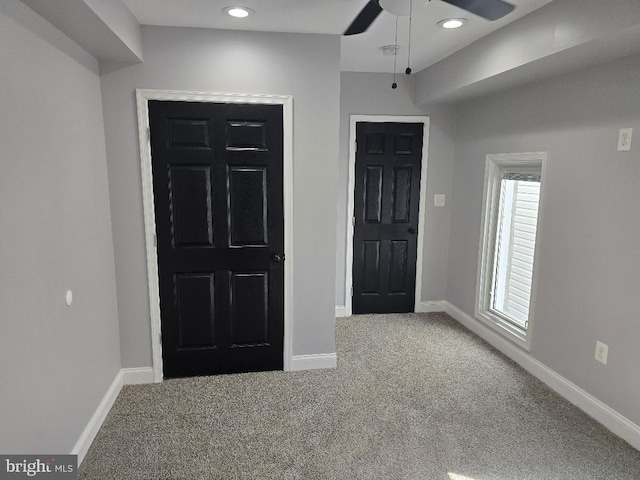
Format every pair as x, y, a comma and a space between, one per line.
415, 396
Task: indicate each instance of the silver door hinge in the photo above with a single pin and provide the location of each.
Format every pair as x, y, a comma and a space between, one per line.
155, 240
353, 221
149, 134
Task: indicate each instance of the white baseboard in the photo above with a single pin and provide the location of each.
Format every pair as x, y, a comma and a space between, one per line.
132, 376
617, 423
313, 362
95, 422
422, 307
429, 307
601, 412
126, 376
136, 376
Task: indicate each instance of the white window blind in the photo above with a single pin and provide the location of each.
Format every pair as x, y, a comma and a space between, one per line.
515, 245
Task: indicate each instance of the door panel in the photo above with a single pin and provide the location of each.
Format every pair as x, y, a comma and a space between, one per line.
247, 196
375, 143
249, 308
190, 188
188, 133
387, 194
195, 310
373, 194
401, 194
217, 178
247, 136
398, 264
371, 267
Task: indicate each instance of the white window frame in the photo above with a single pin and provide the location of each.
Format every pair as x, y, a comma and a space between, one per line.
492, 179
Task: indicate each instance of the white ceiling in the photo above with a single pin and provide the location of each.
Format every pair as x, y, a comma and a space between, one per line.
362, 53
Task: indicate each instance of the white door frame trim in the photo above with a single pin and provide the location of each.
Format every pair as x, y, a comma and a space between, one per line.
353, 119
142, 98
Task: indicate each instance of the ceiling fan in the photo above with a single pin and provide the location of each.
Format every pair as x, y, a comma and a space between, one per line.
489, 9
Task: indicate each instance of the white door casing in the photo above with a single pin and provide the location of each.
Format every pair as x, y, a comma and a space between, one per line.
142, 97
351, 177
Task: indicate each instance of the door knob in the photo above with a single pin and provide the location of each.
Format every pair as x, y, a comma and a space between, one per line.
277, 257
412, 230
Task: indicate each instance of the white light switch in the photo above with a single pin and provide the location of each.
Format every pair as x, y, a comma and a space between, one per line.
438, 199
69, 298
624, 139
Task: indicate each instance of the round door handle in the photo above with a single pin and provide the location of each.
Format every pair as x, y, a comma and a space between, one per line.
277, 258
412, 230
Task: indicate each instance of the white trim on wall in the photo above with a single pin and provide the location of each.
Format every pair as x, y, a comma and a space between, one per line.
126, 376
143, 96
314, 362
430, 307
593, 407
351, 182
341, 311
95, 422
137, 376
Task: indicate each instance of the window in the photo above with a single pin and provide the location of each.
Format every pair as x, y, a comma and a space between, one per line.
506, 274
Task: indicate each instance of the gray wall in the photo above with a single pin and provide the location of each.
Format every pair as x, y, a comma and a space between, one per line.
589, 263
57, 362
305, 66
549, 41
371, 94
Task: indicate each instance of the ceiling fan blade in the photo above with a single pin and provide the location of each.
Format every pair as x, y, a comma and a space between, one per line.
489, 9
365, 18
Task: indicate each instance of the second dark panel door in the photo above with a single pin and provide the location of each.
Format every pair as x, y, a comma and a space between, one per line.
386, 206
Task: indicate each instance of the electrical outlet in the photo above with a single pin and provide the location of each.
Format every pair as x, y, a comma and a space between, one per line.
624, 139
602, 351
439, 199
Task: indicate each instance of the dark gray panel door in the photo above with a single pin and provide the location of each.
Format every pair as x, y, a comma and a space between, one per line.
217, 178
387, 194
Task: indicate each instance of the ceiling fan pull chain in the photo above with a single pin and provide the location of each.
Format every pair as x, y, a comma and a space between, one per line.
394, 85
408, 70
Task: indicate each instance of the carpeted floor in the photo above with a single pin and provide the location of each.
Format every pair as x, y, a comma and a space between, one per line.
415, 396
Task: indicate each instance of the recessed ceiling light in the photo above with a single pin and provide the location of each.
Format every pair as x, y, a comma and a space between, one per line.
238, 12
452, 23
